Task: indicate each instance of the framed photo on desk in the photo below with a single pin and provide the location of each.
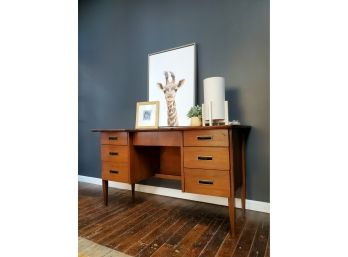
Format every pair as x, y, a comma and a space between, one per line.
147, 115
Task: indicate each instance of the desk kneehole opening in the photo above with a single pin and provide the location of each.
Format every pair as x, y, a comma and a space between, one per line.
204, 158
205, 182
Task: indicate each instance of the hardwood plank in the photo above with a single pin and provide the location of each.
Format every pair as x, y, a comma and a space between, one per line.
112, 218
167, 233
267, 254
89, 201
259, 245
94, 222
126, 220
247, 237
230, 242
213, 246
187, 242
102, 211
198, 214
122, 225
100, 216
132, 235
162, 251
119, 218
87, 214
136, 228
202, 241
115, 238
156, 232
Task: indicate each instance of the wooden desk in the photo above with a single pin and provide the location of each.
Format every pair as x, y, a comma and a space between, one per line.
207, 160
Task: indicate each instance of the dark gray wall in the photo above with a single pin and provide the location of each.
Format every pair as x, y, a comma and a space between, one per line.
232, 39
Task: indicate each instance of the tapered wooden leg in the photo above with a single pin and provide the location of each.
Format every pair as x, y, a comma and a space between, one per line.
243, 191
232, 213
105, 191
133, 195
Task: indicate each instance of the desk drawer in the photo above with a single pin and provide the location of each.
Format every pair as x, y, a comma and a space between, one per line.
114, 153
163, 138
115, 171
216, 158
207, 182
114, 138
213, 137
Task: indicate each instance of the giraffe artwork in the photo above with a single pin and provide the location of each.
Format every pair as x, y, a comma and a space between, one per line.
169, 90
172, 82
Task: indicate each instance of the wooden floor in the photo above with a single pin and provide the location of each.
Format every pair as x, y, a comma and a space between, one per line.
163, 226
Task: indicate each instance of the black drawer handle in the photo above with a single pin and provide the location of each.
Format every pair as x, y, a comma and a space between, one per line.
114, 171
206, 182
113, 153
113, 138
205, 158
204, 137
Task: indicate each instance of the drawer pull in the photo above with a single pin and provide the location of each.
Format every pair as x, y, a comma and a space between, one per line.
113, 138
206, 181
205, 158
113, 153
114, 171
204, 137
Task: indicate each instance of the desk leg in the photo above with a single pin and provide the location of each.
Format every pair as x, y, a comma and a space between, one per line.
133, 196
232, 212
105, 191
243, 191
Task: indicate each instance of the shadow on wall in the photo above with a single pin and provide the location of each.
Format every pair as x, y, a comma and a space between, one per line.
232, 95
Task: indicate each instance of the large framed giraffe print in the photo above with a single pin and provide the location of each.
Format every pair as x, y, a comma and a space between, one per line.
172, 82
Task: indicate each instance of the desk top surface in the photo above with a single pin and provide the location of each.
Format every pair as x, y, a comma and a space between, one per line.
176, 128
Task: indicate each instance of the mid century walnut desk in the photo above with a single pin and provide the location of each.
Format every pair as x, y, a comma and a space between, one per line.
207, 160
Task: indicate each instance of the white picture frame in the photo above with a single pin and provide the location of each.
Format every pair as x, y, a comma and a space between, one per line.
172, 82
147, 115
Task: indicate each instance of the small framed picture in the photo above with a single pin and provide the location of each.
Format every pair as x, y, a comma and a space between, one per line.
147, 115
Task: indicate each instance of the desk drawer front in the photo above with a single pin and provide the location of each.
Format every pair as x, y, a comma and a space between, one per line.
207, 182
115, 153
216, 158
114, 138
165, 138
115, 171
214, 137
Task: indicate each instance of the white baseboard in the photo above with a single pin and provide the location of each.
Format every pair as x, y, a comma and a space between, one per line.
250, 204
